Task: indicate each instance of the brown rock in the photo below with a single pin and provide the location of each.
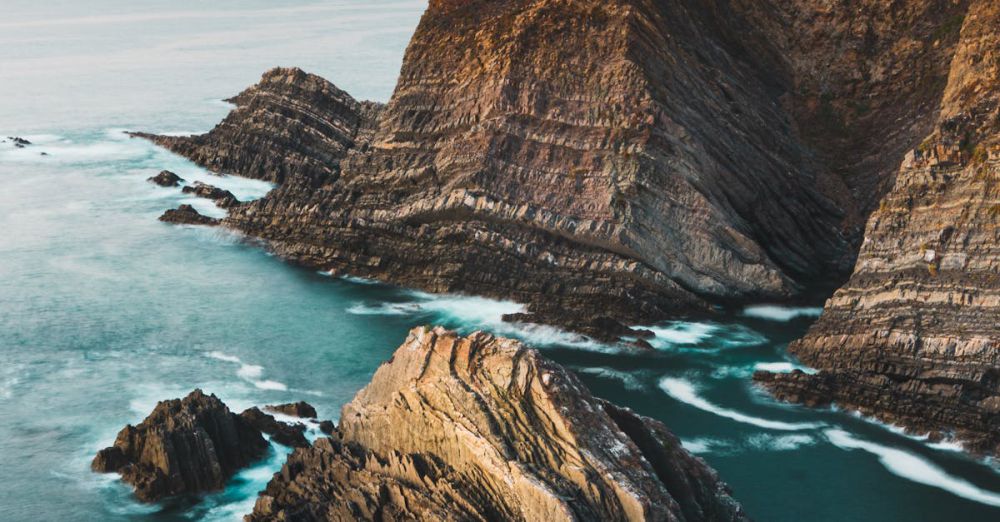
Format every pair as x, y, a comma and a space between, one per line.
483, 428
294, 409
187, 215
166, 179
914, 337
292, 435
222, 198
184, 446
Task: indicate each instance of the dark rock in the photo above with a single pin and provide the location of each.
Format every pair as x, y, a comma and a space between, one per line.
327, 427
292, 435
483, 428
187, 215
222, 198
295, 409
184, 446
166, 179
20, 142
43, 153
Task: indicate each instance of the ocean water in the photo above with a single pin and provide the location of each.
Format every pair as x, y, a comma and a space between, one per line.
104, 310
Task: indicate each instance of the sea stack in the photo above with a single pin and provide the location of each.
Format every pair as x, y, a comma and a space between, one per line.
185, 446
484, 428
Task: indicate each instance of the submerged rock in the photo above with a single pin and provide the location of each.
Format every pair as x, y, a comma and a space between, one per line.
184, 446
292, 435
483, 428
166, 179
223, 198
187, 215
300, 409
18, 141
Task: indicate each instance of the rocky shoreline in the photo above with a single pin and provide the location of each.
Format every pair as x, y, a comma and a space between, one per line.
649, 166
450, 428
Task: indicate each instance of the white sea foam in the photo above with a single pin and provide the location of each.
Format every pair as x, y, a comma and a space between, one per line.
682, 333
781, 367
358, 280
224, 357
914, 468
686, 392
251, 373
780, 313
629, 380
766, 442
384, 309
702, 445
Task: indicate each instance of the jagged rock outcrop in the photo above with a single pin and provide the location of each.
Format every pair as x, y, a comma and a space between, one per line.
166, 179
290, 124
914, 337
223, 198
299, 409
184, 446
483, 428
292, 435
187, 215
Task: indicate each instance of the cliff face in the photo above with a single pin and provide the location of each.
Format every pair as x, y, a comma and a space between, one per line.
913, 337
482, 428
625, 159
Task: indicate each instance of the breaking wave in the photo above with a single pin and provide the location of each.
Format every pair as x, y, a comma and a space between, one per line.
686, 392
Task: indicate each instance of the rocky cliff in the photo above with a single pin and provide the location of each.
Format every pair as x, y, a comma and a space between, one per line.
483, 428
626, 161
184, 446
913, 337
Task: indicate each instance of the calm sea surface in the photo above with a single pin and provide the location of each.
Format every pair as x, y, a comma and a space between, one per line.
104, 310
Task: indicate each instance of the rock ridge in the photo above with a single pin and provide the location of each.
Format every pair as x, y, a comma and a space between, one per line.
483, 428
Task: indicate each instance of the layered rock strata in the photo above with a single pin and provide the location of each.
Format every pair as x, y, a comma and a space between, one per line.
914, 337
184, 446
625, 159
483, 428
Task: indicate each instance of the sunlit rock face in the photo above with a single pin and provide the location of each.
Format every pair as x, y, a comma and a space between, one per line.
483, 428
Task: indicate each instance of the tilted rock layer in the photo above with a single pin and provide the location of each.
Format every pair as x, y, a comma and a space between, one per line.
185, 446
631, 160
483, 428
914, 337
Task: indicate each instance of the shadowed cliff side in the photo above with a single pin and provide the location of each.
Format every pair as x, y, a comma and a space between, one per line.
913, 337
483, 428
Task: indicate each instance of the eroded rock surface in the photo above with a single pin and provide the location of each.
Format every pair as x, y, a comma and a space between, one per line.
166, 179
187, 215
299, 409
184, 446
222, 198
284, 433
914, 337
483, 428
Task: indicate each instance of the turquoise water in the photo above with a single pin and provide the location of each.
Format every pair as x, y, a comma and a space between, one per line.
104, 310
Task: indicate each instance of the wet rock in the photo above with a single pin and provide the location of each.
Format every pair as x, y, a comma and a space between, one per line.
18, 141
292, 435
184, 446
166, 179
300, 409
327, 427
222, 198
483, 428
187, 215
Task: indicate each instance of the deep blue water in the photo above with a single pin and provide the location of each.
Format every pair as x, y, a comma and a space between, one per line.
104, 310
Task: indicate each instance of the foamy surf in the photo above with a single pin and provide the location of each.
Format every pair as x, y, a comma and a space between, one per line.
914, 468
250, 373
684, 391
628, 380
780, 313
